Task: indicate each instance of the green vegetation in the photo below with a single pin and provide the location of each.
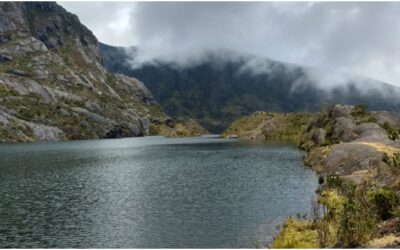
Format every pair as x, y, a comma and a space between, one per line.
384, 201
350, 217
14, 132
392, 160
297, 233
179, 128
392, 132
362, 115
265, 125
350, 208
5, 91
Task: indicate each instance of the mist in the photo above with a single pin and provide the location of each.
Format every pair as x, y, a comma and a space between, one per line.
353, 38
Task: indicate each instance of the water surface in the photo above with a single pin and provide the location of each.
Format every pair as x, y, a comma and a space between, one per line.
150, 192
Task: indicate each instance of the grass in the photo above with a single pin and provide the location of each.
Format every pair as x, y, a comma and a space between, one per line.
183, 128
297, 234
383, 242
290, 126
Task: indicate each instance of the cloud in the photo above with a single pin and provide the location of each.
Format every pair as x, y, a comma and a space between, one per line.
109, 21
360, 38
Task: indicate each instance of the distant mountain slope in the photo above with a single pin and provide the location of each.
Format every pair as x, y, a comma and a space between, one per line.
53, 85
227, 85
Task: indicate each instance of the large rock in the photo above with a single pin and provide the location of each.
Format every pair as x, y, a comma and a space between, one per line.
383, 117
344, 159
342, 111
371, 132
344, 129
46, 133
318, 136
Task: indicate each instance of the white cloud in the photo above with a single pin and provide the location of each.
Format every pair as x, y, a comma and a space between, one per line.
109, 21
361, 38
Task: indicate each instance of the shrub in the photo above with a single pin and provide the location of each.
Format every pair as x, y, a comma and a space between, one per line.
393, 134
357, 219
393, 161
334, 181
361, 112
384, 201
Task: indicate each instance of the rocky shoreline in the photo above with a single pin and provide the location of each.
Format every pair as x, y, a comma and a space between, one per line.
356, 154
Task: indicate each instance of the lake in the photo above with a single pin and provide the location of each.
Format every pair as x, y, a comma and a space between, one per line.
150, 192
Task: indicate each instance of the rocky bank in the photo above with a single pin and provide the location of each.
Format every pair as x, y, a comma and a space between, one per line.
357, 156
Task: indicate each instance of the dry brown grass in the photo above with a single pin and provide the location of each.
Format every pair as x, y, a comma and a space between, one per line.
384, 241
390, 150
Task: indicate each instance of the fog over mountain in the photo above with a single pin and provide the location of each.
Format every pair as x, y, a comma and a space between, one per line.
357, 38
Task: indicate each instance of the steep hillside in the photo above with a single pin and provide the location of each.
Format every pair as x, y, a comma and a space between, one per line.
53, 85
227, 85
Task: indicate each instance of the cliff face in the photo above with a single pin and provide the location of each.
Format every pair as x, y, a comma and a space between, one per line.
53, 85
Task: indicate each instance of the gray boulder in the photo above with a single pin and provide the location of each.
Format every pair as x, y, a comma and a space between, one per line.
347, 158
318, 136
371, 132
344, 127
342, 111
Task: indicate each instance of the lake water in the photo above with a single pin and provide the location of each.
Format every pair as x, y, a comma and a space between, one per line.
150, 192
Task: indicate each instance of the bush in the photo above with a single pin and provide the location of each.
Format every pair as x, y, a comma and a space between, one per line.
393, 161
384, 201
357, 220
334, 181
361, 112
393, 134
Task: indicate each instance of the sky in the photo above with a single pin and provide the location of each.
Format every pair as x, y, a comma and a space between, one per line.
361, 38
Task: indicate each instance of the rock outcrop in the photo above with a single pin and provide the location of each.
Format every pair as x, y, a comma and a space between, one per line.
53, 85
268, 125
357, 155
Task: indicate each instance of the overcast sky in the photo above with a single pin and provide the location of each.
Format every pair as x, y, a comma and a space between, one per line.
361, 38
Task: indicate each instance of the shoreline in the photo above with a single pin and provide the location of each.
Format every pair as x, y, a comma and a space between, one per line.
356, 155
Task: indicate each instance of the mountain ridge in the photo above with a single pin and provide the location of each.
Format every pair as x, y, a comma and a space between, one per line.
219, 89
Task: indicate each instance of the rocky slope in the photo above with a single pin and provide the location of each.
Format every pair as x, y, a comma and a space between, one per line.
53, 85
357, 155
226, 85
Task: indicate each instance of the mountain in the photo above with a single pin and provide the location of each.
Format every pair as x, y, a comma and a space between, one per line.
53, 85
226, 85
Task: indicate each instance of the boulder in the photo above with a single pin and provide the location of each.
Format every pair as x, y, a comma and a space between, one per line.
342, 111
318, 136
383, 117
347, 158
371, 132
46, 133
344, 127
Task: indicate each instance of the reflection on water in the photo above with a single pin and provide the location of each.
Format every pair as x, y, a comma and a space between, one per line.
149, 192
